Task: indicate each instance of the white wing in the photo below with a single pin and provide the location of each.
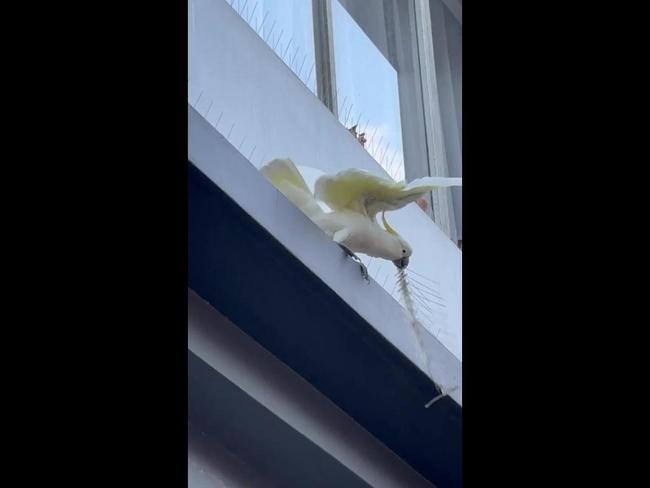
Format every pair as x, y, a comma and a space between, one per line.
360, 191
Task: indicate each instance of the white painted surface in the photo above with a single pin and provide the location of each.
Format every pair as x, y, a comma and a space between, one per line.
244, 90
210, 152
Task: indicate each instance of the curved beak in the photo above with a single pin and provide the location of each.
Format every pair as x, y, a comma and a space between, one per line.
401, 263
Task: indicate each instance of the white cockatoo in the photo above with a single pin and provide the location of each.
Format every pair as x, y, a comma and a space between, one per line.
355, 197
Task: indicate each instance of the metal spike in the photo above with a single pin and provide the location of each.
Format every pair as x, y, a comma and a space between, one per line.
427, 289
384, 153
342, 108
372, 138
394, 170
264, 19
270, 32
278, 41
391, 159
425, 277
310, 72
245, 3
302, 64
262, 158
374, 154
294, 56
253, 11
377, 271
348, 116
287, 49
366, 126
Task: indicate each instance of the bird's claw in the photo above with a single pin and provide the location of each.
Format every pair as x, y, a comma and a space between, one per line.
364, 269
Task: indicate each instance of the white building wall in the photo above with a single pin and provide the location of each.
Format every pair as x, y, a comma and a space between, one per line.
257, 102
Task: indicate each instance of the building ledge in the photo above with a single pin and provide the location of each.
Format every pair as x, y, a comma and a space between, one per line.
267, 268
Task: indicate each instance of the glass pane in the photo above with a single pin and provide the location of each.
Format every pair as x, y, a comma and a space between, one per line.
367, 92
287, 27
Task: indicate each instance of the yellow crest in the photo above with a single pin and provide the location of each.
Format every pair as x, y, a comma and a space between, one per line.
388, 228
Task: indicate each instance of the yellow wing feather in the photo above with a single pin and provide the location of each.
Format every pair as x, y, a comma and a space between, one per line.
280, 171
284, 175
362, 192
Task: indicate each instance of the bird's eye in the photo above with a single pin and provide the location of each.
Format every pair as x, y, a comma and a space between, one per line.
403, 251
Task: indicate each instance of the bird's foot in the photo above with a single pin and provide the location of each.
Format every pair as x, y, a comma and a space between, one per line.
364, 270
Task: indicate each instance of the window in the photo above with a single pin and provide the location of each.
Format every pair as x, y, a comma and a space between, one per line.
367, 91
287, 27
389, 70
396, 69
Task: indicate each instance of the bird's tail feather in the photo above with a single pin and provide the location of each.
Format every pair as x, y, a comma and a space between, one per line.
284, 175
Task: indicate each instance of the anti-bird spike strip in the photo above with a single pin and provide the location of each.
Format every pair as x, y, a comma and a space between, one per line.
405, 294
403, 288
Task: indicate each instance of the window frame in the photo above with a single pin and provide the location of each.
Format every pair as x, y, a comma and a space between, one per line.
422, 125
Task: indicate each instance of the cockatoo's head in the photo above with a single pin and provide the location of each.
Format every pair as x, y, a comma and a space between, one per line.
400, 250
406, 251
